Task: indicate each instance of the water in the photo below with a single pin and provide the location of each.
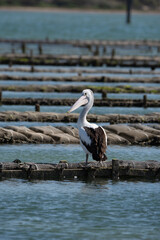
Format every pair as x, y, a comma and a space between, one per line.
66, 210
63, 25
81, 210
72, 74
94, 110
75, 209
72, 153
10, 94
86, 84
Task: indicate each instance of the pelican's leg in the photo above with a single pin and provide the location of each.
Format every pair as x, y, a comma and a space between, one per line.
101, 163
87, 159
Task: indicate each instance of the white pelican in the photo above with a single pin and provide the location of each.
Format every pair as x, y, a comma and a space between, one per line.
93, 138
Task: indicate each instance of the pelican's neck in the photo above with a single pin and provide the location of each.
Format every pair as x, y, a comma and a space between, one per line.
82, 120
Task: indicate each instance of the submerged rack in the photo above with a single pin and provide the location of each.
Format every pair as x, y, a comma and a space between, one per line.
115, 169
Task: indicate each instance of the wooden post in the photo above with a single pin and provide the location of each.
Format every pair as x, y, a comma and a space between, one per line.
10, 64
96, 53
145, 101
79, 74
115, 169
23, 47
153, 68
37, 107
113, 53
89, 47
128, 8
0, 97
32, 68
40, 49
104, 95
104, 50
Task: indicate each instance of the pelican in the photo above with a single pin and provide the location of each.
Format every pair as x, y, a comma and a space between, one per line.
93, 138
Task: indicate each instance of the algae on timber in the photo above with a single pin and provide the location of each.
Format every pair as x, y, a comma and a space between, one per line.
78, 89
125, 89
115, 169
74, 60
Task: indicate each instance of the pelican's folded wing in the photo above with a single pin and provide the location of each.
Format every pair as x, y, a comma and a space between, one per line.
98, 144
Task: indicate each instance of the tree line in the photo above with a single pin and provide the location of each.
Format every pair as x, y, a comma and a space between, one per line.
97, 4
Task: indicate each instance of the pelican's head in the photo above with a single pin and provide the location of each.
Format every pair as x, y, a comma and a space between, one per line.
86, 100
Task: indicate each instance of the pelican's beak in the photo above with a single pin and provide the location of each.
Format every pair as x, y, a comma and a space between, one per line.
81, 101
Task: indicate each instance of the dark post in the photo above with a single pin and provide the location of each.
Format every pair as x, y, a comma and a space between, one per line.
113, 53
32, 68
0, 96
89, 47
23, 47
104, 49
37, 107
128, 8
79, 74
145, 101
115, 169
104, 95
96, 52
10, 64
40, 49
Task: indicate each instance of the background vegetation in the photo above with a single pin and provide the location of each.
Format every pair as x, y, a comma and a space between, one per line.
97, 4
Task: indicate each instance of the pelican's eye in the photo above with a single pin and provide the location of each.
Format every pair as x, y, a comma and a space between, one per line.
85, 94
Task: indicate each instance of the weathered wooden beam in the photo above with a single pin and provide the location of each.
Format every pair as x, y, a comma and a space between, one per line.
79, 70
85, 43
0, 97
80, 88
74, 60
80, 78
107, 102
115, 169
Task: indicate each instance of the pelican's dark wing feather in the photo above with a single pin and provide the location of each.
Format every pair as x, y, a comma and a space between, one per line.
98, 144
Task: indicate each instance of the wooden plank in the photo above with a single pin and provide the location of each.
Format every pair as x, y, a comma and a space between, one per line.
91, 78
74, 60
115, 169
80, 88
108, 102
85, 43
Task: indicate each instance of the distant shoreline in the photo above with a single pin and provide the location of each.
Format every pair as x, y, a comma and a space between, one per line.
73, 10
